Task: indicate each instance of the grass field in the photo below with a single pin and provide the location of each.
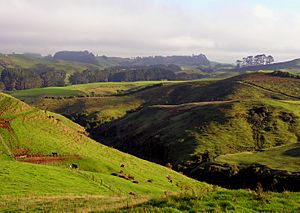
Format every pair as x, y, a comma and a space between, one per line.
190, 129
98, 89
185, 118
202, 113
223, 201
35, 133
281, 158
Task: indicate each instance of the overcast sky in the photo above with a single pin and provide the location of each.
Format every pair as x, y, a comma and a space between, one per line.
224, 30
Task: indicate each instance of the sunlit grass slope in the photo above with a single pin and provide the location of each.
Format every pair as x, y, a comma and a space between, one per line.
34, 133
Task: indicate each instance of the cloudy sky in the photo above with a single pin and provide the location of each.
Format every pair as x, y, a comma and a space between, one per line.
224, 30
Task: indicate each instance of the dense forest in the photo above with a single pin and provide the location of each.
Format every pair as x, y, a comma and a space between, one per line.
40, 76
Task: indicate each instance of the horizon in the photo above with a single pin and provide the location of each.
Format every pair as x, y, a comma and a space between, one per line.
151, 28
133, 57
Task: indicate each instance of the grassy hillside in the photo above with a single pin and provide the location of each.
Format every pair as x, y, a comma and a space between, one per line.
201, 117
30, 136
223, 201
100, 102
247, 86
192, 123
24, 61
92, 89
174, 133
197, 110
286, 156
227, 101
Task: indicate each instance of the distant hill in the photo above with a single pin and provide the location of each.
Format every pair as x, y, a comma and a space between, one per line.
195, 60
107, 61
77, 56
29, 61
33, 55
293, 64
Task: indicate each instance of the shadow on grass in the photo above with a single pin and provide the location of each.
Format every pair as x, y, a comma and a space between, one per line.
294, 152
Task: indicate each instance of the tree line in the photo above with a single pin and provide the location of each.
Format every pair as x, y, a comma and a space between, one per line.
127, 74
255, 61
18, 78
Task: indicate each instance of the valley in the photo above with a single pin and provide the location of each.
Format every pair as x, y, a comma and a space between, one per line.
239, 133
189, 124
151, 106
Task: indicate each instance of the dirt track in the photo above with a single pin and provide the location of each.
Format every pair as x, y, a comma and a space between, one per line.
45, 159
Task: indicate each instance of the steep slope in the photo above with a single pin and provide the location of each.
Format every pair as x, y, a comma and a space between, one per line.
29, 135
179, 133
197, 123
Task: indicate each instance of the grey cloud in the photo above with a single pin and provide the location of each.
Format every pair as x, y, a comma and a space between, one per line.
224, 31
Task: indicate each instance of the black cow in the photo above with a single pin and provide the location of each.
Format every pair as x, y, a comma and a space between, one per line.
74, 166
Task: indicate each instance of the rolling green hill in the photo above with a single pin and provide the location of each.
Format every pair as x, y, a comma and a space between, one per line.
177, 122
29, 135
176, 133
37, 146
191, 123
81, 90
285, 156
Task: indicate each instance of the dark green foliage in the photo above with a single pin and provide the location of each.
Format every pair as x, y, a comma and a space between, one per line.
17, 78
284, 74
151, 74
50, 76
119, 74
39, 76
260, 119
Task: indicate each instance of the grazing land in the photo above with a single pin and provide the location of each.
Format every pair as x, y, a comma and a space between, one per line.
188, 126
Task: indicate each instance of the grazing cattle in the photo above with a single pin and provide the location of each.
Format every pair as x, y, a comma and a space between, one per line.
135, 181
74, 166
169, 178
54, 154
130, 177
132, 193
122, 165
